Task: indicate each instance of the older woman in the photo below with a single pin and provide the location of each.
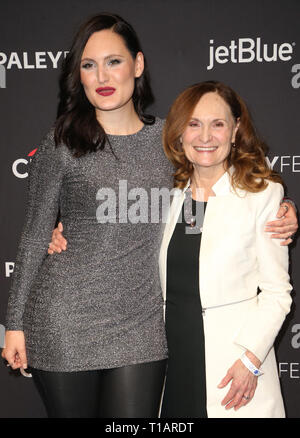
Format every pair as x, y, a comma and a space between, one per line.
220, 330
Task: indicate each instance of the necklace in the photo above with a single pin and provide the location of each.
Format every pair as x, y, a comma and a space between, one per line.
195, 222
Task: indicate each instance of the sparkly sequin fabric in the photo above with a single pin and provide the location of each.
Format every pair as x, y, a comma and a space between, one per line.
98, 304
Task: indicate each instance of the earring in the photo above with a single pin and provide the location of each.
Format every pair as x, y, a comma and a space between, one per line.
233, 145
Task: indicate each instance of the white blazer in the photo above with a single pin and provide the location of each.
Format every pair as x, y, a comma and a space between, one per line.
236, 257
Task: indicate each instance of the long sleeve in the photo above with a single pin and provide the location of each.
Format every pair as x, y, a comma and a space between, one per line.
274, 301
44, 184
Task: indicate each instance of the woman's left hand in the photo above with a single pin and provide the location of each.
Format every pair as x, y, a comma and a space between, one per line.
286, 226
242, 388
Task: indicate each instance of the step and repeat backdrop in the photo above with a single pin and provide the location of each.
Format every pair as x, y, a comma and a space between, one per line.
253, 46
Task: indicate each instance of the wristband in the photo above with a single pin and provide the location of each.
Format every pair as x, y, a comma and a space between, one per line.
246, 361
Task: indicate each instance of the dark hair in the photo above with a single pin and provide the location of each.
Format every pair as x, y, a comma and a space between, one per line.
76, 125
248, 154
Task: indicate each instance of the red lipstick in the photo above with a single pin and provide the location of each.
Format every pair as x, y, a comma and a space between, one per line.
105, 91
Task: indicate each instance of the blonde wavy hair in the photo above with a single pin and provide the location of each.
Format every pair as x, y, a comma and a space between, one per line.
248, 157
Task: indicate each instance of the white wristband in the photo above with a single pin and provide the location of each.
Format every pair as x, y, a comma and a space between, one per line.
246, 361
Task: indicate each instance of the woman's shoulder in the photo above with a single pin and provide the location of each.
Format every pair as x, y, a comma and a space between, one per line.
159, 123
267, 199
48, 151
272, 189
160, 120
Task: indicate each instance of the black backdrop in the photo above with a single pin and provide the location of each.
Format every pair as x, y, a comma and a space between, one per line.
259, 58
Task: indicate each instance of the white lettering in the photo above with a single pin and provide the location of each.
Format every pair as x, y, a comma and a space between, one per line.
140, 206
221, 51
14, 60
295, 163
15, 166
282, 163
243, 49
271, 164
2, 76
165, 194
2, 336
9, 268
292, 368
258, 51
3, 58
296, 338
40, 59
122, 428
233, 48
273, 57
247, 50
137, 211
211, 56
296, 79
107, 195
285, 52
25, 62
54, 59
123, 218
29, 61
170, 427
281, 370
285, 161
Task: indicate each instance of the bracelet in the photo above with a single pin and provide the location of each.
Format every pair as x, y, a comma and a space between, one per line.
246, 361
289, 201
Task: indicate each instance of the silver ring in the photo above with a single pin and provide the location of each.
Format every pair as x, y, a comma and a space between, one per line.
24, 374
286, 208
290, 237
246, 397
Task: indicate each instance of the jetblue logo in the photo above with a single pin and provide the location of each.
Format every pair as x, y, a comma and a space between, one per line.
246, 50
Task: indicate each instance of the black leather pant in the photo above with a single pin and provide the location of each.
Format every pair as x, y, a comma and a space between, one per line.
132, 391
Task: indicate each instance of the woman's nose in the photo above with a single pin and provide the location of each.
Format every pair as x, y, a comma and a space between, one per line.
102, 75
205, 134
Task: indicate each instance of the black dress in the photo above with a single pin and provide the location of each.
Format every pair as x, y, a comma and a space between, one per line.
185, 388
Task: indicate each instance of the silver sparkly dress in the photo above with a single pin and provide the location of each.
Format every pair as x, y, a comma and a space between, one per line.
98, 304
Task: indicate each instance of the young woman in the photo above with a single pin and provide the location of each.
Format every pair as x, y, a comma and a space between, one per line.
89, 322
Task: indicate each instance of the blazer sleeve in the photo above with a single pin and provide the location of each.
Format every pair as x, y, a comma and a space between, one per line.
44, 185
263, 323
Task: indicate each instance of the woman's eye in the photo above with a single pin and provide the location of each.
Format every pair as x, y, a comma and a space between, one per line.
114, 62
219, 124
87, 65
193, 124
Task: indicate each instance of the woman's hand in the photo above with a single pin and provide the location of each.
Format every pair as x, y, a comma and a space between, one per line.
14, 351
58, 242
243, 384
286, 226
